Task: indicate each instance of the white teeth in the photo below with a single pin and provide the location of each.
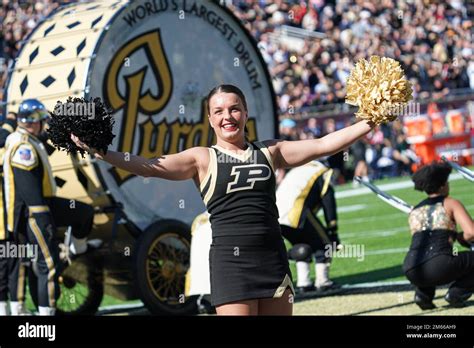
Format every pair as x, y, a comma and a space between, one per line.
229, 126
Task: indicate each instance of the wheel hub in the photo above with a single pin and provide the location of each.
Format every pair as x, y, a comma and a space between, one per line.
168, 269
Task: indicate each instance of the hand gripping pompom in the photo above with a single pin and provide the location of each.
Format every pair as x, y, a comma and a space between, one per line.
90, 120
379, 88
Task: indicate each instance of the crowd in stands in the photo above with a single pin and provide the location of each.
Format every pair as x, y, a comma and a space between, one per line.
17, 19
385, 152
432, 40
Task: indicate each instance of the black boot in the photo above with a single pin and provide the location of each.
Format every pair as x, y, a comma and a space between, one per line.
424, 302
457, 301
305, 289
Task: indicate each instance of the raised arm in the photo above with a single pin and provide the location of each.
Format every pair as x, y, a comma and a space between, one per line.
180, 166
287, 154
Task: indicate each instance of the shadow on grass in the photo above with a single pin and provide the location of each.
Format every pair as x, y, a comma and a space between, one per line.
371, 276
439, 309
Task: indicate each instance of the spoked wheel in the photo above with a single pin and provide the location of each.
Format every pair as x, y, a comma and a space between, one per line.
162, 258
81, 288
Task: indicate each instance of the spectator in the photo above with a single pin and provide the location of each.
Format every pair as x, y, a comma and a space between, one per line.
432, 40
18, 18
313, 127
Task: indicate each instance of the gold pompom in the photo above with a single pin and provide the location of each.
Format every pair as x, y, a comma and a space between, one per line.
379, 88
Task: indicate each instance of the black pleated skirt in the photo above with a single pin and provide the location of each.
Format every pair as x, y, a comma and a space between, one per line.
248, 267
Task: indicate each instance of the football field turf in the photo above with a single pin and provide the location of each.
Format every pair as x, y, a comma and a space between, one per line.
376, 238
368, 224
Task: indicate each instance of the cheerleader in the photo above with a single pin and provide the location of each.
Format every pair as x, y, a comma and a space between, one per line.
431, 261
249, 267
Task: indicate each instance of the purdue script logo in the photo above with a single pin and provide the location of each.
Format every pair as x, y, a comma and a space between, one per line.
154, 139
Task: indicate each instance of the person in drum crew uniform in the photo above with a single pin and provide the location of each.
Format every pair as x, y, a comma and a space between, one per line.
300, 195
8, 127
33, 211
249, 267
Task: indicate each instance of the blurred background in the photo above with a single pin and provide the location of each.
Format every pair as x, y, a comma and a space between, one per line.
310, 47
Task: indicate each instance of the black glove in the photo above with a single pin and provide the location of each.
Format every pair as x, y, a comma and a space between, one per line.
463, 242
333, 236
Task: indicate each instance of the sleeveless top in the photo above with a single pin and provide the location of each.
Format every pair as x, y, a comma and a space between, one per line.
239, 191
432, 231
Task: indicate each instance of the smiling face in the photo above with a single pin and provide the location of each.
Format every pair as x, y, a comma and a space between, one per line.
227, 116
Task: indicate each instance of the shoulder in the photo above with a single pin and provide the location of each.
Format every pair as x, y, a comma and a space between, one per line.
268, 149
453, 206
199, 155
24, 156
199, 152
270, 144
450, 200
452, 203
273, 146
196, 152
9, 125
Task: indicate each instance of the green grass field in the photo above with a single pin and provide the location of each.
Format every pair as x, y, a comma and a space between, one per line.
382, 231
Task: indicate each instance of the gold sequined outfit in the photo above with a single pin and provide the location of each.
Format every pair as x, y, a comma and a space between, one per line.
433, 232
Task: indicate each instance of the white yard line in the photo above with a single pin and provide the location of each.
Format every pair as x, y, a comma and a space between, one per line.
351, 208
346, 209
386, 251
372, 218
371, 234
127, 306
386, 187
375, 284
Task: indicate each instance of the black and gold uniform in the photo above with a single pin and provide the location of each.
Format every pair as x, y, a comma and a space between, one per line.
34, 213
6, 129
431, 260
248, 258
302, 193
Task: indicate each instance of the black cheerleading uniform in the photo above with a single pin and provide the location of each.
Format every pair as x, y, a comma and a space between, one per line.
248, 258
430, 260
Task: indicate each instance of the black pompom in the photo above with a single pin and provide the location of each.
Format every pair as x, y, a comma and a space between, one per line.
90, 120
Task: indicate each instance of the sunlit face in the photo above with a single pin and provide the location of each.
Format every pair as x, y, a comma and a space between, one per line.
227, 116
32, 127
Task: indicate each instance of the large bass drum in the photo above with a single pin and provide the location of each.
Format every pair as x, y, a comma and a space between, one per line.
153, 62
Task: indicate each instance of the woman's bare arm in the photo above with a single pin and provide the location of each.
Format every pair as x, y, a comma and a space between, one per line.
287, 154
180, 166
462, 217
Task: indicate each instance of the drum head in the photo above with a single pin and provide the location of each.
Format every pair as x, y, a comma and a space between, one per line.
155, 66
154, 62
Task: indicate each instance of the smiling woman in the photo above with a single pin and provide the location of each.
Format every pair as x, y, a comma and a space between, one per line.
232, 98
248, 260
